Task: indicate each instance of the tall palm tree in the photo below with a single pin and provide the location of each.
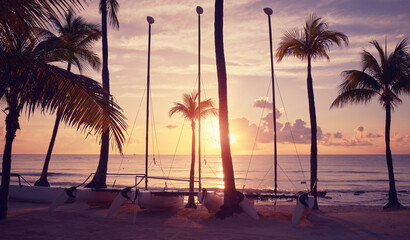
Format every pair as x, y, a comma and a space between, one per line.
386, 80
108, 9
189, 109
309, 43
29, 82
231, 199
79, 35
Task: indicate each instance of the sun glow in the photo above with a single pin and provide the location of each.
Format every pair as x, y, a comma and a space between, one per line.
211, 134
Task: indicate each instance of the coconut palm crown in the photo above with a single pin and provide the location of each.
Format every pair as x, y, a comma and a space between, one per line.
386, 80
311, 42
189, 109
81, 35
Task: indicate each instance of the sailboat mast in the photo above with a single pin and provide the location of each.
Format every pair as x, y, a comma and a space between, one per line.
269, 12
150, 21
199, 10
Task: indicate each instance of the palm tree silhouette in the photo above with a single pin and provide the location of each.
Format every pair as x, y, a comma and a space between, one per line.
231, 199
29, 82
387, 80
79, 35
108, 9
189, 109
310, 43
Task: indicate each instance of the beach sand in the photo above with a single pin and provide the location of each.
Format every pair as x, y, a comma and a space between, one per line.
80, 221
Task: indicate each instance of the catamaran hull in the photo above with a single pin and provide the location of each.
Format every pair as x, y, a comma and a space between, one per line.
96, 197
152, 202
211, 201
34, 193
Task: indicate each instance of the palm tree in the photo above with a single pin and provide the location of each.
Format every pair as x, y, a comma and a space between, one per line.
29, 82
387, 80
108, 8
189, 109
79, 35
310, 43
231, 199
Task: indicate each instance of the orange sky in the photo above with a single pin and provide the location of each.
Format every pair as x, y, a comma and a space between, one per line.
351, 130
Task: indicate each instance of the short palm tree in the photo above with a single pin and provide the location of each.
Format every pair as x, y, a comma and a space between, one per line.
386, 80
79, 36
311, 42
189, 109
108, 10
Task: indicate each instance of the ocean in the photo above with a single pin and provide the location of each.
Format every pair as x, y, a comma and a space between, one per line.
347, 179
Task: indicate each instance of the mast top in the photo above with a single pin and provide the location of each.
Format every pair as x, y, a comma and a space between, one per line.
199, 10
150, 20
268, 11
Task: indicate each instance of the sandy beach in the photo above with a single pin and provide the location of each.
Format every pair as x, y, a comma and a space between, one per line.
80, 221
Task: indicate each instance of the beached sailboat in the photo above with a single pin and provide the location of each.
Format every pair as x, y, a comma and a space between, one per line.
25, 192
148, 199
144, 198
56, 196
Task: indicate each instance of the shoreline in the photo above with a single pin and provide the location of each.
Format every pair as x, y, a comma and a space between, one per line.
80, 221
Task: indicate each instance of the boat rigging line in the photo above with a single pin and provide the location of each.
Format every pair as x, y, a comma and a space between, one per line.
129, 138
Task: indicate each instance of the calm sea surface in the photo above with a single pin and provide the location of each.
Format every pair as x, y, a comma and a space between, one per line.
347, 179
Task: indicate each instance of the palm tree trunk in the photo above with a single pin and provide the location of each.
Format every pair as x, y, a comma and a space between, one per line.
12, 124
191, 202
42, 181
393, 201
230, 198
313, 137
100, 177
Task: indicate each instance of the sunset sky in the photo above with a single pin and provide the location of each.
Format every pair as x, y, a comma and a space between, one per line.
355, 129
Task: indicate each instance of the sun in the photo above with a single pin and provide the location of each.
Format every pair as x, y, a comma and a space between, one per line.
232, 138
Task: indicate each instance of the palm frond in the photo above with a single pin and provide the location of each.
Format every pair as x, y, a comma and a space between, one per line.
291, 44
354, 79
382, 54
18, 16
82, 100
402, 85
353, 96
112, 10
370, 64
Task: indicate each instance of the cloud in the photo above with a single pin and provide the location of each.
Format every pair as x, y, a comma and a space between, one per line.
297, 133
374, 135
338, 135
359, 129
361, 138
262, 102
349, 143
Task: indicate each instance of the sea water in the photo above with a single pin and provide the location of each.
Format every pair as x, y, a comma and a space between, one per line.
347, 179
